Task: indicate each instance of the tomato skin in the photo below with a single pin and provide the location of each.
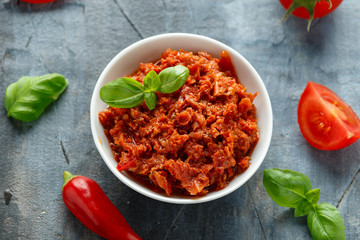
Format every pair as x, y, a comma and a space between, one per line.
321, 8
38, 1
325, 120
88, 202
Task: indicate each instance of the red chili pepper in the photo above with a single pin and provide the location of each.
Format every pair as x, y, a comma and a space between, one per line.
88, 202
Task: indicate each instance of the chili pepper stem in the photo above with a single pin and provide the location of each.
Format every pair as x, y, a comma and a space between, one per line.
67, 177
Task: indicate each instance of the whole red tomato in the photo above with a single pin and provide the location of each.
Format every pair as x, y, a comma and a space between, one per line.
309, 9
38, 1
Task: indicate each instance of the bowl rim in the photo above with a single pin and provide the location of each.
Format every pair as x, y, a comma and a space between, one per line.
158, 196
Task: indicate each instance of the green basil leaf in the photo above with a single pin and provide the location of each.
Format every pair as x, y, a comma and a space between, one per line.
302, 208
325, 222
305, 205
122, 93
27, 98
313, 196
173, 78
150, 100
152, 81
287, 188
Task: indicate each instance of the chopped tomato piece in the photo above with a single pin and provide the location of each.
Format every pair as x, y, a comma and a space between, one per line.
325, 120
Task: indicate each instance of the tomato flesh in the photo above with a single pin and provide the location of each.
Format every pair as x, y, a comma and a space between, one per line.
325, 120
322, 8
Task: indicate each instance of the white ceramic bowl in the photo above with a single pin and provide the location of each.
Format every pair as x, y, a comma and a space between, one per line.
150, 49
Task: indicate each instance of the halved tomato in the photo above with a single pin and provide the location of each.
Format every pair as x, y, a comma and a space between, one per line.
325, 120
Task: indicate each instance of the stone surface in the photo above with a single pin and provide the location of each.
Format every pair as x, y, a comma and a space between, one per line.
77, 38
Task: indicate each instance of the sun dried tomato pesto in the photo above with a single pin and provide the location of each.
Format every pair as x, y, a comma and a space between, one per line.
198, 138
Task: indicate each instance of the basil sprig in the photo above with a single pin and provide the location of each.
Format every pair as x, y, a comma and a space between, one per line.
27, 98
128, 93
293, 189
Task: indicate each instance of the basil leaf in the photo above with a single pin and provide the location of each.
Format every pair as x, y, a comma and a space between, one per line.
173, 78
287, 188
150, 100
128, 93
122, 93
305, 205
325, 222
313, 196
27, 98
302, 208
152, 81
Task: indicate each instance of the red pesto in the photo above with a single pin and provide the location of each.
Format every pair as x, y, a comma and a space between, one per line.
196, 139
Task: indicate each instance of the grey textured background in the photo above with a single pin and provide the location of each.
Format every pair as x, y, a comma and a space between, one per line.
77, 38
